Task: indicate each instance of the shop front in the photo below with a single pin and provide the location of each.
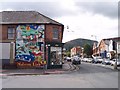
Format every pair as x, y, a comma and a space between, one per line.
54, 55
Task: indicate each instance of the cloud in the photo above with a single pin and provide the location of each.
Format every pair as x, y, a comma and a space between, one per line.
51, 9
56, 9
108, 9
84, 18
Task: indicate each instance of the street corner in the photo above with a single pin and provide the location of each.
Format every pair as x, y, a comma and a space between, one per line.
54, 72
69, 67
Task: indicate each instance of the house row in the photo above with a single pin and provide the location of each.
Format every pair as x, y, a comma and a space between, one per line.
77, 51
30, 39
107, 48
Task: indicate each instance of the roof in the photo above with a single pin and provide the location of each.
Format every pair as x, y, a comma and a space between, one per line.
115, 39
106, 41
14, 17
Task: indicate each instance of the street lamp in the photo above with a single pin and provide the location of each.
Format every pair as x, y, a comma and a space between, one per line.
95, 43
107, 49
94, 37
82, 52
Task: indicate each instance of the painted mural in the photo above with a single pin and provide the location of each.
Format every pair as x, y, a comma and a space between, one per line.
30, 45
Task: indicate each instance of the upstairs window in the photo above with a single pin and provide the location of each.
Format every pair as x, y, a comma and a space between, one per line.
55, 33
11, 32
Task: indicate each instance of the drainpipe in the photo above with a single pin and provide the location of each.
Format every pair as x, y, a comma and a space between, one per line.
11, 53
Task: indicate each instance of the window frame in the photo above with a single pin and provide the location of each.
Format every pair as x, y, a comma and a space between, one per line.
11, 33
55, 32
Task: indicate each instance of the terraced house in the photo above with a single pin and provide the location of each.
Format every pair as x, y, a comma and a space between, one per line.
108, 48
30, 39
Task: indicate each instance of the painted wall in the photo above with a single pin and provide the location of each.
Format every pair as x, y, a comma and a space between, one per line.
30, 45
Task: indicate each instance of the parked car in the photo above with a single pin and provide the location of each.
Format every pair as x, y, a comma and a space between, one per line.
113, 62
85, 60
68, 59
90, 60
76, 60
82, 59
97, 60
100, 60
106, 62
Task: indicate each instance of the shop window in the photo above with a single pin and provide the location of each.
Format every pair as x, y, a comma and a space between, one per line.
11, 32
55, 33
56, 55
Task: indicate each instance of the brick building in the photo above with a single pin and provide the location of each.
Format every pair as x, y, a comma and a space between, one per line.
30, 39
107, 48
95, 50
76, 51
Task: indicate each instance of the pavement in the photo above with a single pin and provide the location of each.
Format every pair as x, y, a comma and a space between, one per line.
104, 66
67, 67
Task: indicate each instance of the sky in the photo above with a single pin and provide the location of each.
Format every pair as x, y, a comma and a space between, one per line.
88, 19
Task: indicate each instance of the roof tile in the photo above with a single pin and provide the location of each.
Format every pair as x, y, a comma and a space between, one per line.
7, 17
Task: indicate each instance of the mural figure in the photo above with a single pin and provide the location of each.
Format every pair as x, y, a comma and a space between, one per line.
30, 43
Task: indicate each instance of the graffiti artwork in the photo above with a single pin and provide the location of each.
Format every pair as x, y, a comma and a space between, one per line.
30, 44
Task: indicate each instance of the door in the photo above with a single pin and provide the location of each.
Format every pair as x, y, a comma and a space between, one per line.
56, 56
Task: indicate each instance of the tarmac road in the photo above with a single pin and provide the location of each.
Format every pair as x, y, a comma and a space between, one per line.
88, 76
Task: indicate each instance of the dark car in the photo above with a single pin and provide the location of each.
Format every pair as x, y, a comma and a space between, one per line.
76, 60
106, 62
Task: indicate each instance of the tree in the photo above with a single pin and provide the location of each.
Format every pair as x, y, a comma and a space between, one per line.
68, 53
88, 50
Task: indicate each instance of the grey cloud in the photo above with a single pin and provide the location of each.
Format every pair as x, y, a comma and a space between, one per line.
109, 9
55, 9
51, 9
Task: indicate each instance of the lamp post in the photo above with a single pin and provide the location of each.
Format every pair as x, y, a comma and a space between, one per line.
107, 49
95, 43
94, 37
82, 52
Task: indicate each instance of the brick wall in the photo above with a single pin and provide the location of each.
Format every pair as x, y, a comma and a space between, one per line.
4, 32
48, 33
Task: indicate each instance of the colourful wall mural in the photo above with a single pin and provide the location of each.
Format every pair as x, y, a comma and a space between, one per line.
30, 45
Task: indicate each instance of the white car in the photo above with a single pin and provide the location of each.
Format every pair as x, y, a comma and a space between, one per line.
68, 59
113, 62
85, 59
98, 60
90, 60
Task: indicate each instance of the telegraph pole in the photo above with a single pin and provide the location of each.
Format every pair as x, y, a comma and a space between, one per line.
115, 48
